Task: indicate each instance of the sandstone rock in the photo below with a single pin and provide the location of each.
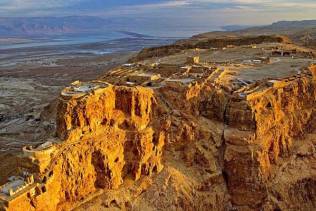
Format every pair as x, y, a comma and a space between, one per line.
249, 146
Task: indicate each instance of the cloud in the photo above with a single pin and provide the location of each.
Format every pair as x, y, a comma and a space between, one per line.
223, 5
32, 4
50, 7
266, 4
272, 4
31, 7
203, 14
168, 4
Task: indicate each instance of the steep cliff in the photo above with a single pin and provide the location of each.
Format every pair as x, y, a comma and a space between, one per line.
107, 135
268, 140
179, 137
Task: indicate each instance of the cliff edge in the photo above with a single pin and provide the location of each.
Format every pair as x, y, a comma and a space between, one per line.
216, 128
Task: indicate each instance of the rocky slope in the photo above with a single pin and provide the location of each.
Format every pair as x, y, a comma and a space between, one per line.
199, 136
301, 32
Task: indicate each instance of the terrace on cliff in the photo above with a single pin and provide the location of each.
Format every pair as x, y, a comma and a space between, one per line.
211, 129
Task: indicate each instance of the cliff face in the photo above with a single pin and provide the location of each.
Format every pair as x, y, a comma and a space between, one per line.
179, 137
268, 141
108, 134
282, 114
112, 137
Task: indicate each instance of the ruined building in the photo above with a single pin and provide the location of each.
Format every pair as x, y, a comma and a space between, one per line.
178, 136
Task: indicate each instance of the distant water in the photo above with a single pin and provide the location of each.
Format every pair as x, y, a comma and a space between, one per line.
91, 44
63, 40
41, 49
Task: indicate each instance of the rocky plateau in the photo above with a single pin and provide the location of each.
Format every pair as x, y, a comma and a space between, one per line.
217, 124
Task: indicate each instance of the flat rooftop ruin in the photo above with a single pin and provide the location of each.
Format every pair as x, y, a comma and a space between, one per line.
233, 68
47, 147
15, 186
79, 89
44, 146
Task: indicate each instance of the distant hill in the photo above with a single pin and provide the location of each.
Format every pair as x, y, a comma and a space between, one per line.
36, 26
283, 27
30, 27
301, 32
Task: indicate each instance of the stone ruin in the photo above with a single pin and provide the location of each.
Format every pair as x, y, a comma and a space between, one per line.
15, 185
40, 155
79, 89
17, 189
31, 182
117, 128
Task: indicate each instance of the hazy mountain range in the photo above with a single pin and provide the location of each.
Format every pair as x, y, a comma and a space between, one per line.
40, 26
50, 26
284, 26
301, 32
35, 26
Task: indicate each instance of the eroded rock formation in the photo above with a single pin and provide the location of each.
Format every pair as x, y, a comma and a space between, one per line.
271, 131
188, 137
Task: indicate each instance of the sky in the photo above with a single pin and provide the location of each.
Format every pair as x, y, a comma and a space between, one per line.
202, 14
